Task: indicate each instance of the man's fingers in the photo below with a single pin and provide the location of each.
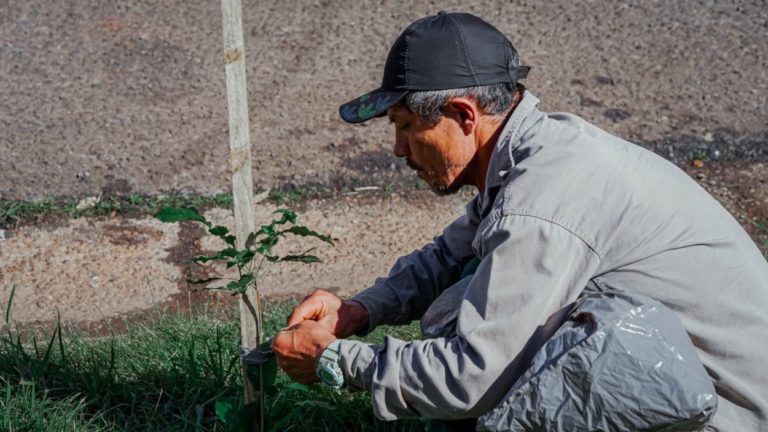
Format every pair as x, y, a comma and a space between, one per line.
310, 309
297, 369
301, 376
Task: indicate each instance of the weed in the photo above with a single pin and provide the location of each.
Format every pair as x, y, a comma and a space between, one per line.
420, 184
16, 212
282, 196
389, 188
13, 213
699, 154
26, 408
166, 374
136, 200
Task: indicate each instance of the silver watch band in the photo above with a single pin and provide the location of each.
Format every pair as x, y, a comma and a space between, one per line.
333, 351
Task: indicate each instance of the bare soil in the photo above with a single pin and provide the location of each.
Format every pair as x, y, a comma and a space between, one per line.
128, 97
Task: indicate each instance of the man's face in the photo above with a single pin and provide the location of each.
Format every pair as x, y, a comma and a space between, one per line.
439, 154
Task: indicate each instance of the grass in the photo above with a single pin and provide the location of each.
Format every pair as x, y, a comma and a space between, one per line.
281, 196
165, 375
15, 212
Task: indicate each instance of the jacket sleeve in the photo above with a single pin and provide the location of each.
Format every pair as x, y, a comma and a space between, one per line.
530, 270
418, 278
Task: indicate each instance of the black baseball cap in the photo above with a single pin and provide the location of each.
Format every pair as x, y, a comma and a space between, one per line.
439, 52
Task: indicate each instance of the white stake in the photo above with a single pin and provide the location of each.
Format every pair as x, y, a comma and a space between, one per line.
242, 181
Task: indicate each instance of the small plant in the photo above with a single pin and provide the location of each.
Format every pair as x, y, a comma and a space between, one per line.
389, 188
258, 245
257, 249
698, 157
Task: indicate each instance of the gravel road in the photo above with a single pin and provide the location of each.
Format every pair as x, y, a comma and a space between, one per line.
118, 97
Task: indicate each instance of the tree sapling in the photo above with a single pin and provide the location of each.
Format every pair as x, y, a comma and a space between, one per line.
248, 261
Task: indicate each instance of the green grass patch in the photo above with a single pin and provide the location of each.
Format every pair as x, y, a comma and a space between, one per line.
13, 213
288, 195
165, 375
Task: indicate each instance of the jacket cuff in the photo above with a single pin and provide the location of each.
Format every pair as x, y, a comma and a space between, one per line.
357, 361
374, 300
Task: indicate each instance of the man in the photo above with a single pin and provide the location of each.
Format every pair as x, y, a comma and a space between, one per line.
561, 205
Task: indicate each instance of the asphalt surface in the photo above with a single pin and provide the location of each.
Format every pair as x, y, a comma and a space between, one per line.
128, 97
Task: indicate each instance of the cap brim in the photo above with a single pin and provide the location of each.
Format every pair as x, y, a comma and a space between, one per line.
370, 105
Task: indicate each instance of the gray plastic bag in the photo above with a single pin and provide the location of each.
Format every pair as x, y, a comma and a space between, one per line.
622, 362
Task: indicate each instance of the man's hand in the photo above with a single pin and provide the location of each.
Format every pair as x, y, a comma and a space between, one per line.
340, 318
299, 348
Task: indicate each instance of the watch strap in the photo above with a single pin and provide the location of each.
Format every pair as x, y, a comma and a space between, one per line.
333, 351
328, 368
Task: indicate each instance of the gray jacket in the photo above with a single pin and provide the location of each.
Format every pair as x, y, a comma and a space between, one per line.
568, 205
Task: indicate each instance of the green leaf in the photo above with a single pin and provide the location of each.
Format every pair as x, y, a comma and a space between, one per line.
299, 387
219, 230
306, 259
241, 284
266, 244
226, 410
306, 232
176, 214
222, 255
244, 257
8, 308
287, 216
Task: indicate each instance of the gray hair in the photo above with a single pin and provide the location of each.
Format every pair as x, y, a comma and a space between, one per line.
493, 99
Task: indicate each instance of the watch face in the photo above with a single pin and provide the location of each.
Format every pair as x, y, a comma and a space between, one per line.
326, 376
330, 374
328, 369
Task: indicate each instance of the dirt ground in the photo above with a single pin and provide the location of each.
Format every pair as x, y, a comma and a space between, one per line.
126, 97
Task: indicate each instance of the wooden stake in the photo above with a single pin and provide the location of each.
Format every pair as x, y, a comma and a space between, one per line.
242, 181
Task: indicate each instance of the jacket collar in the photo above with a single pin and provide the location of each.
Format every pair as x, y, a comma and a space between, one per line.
522, 118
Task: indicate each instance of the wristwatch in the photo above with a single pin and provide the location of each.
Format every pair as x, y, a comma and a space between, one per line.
328, 369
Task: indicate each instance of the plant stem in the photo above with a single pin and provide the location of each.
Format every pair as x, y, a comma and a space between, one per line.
253, 311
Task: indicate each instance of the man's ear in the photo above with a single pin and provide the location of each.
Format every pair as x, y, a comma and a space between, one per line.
463, 111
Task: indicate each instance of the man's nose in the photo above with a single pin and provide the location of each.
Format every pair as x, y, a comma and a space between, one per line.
401, 148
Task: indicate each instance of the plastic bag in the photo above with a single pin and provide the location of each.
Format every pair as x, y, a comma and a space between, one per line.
622, 362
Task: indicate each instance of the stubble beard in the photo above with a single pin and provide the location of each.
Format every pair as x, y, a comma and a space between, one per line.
441, 190
455, 186
446, 190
